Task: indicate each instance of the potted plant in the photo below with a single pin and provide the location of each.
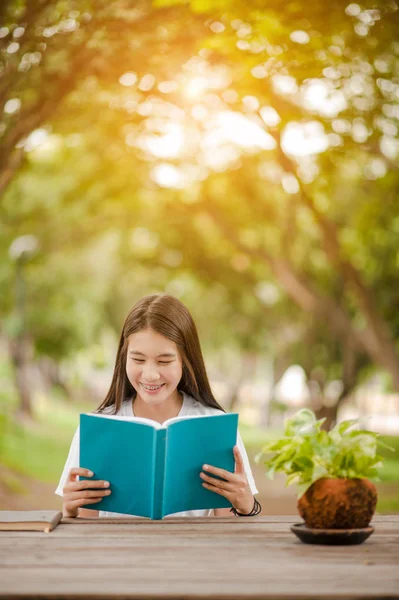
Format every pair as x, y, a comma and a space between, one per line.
330, 468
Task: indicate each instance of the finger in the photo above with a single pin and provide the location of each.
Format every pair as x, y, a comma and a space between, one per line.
79, 471
219, 491
88, 494
88, 483
82, 502
239, 461
227, 475
224, 485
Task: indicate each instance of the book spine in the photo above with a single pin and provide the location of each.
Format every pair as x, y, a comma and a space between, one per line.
157, 512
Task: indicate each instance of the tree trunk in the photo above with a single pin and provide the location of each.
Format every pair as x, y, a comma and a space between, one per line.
316, 385
21, 352
330, 414
234, 398
240, 375
51, 374
375, 338
321, 410
280, 365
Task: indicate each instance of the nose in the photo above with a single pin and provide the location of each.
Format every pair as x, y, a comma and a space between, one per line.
150, 374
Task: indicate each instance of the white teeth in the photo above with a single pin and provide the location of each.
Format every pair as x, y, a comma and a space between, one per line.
151, 388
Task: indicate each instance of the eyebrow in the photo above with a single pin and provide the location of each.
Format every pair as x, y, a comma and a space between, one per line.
163, 355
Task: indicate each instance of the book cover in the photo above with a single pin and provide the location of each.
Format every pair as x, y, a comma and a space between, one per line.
154, 469
29, 520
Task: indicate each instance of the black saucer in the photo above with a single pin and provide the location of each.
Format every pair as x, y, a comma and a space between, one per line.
331, 537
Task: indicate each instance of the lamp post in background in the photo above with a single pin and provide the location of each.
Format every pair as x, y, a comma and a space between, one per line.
21, 251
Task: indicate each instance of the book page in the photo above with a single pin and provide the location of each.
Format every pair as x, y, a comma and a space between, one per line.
142, 420
176, 419
151, 422
122, 451
190, 443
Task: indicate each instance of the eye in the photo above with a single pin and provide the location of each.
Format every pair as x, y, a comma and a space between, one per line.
138, 360
165, 362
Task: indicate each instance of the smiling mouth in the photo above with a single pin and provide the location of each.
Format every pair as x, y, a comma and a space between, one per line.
152, 388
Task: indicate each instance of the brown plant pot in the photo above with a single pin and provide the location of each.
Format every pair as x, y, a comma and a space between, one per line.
338, 503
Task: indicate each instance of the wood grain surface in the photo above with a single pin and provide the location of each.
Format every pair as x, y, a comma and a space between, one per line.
185, 558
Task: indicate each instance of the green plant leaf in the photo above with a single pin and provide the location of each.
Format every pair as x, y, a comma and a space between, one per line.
307, 453
303, 421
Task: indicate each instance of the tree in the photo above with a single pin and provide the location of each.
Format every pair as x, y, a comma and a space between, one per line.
269, 206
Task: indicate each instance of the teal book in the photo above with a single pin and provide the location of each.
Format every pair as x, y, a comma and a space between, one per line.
154, 469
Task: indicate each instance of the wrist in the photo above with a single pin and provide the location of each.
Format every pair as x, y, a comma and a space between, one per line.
245, 506
256, 510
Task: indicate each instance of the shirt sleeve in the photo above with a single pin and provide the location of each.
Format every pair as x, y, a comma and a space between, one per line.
72, 461
247, 466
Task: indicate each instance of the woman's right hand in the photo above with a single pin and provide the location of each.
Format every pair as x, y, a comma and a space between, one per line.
77, 493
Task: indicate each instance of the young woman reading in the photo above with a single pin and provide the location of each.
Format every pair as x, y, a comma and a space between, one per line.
160, 374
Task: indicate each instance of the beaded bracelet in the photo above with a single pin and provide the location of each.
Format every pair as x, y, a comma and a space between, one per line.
255, 510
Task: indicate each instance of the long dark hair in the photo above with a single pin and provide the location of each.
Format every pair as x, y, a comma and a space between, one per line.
169, 317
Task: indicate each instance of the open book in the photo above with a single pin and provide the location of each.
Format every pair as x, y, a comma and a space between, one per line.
29, 520
153, 469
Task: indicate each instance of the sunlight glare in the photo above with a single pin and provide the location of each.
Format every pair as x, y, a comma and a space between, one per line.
195, 87
322, 96
168, 145
167, 176
304, 139
285, 84
270, 116
292, 387
244, 132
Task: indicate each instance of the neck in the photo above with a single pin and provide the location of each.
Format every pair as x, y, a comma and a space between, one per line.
167, 410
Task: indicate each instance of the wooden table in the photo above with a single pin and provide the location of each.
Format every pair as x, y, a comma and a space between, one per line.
228, 558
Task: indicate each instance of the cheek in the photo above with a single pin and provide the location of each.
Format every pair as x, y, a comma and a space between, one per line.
132, 371
172, 374
175, 373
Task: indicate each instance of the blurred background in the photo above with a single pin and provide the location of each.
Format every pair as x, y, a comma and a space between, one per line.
242, 156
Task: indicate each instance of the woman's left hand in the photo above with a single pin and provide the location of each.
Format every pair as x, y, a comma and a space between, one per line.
235, 487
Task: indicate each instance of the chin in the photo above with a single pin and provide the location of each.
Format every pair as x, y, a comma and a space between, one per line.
149, 399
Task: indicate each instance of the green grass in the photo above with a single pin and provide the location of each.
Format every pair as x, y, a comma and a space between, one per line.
255, 437
390, 470
38, 452
40, 449
387, 504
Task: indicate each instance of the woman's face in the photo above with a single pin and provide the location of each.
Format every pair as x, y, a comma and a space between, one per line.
153, 366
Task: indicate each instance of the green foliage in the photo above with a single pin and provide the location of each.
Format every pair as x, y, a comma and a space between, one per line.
231, 232
307, 453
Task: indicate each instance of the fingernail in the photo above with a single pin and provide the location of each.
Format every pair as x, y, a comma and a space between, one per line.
106, 483
90, 473
205, 467
107, 492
